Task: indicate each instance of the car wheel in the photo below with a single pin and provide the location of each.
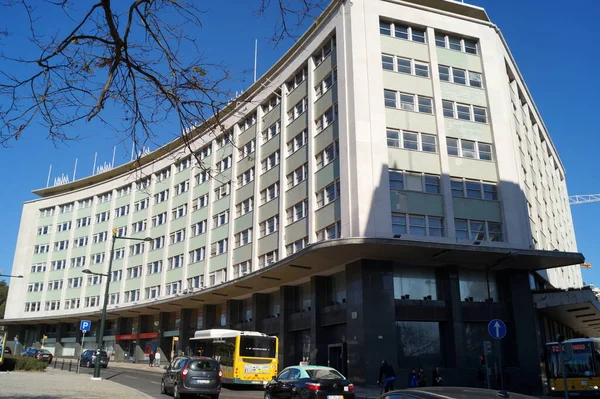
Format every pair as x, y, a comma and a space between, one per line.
162, 387
176, 394
267, 395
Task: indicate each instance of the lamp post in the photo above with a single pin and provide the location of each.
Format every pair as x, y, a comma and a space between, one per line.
11, 276
108, 275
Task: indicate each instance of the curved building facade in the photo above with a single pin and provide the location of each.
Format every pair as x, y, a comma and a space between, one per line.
382, 191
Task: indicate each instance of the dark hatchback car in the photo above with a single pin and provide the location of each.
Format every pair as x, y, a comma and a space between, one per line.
192, 375
452, 393
41, 354
88, 358
309, 382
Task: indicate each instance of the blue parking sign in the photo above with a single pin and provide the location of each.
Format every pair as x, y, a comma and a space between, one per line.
85, 325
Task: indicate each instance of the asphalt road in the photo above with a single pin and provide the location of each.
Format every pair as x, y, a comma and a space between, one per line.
149, 383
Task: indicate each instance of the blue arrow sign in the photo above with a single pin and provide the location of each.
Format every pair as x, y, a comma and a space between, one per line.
497, 329
85, 325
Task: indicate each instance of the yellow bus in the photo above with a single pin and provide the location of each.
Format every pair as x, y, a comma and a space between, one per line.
246, 357
582, 361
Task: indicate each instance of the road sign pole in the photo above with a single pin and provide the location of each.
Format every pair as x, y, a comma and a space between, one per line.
487, 368
564, 369
499, 352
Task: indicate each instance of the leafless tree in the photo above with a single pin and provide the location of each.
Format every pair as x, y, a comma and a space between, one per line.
131, 58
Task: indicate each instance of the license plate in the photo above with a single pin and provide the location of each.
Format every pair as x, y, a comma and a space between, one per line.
335, 397
583, 383
198, 381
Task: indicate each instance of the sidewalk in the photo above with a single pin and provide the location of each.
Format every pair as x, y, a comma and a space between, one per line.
56, 384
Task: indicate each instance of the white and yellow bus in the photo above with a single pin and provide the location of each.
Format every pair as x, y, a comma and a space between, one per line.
246, 357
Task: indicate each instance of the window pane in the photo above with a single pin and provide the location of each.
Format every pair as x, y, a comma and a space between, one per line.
468, 149
416, 225
457, 188
470, 46
401, 32
464, 112
422, 70
475, 79
460, 226
473, 189
436, 226
416, 283
444, 73
390, 98
432, 184
485, 151
418, 35
393, 138
428, 143
480, 114
419, 343
399, 224
454, 43
440, 40
477, 230
404, 65
385, 28
396, 181
407, 102
490, 192
410, 141
448, 109
459, 76
387, 62
425, 105
495, 231
452, 145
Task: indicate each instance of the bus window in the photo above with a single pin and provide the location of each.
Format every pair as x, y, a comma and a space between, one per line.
581, 364
257, 346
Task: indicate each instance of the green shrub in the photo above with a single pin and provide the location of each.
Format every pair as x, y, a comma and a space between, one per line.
22, 363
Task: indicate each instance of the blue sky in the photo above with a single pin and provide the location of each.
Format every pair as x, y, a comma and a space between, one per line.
554, 44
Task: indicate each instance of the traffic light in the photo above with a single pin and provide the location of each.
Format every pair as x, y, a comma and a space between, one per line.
487, 347
482, 360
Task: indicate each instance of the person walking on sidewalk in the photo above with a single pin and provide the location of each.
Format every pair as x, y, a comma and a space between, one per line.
387, 376
151, 359
157, 358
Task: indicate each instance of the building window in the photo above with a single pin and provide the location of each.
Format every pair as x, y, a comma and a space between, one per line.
460, 76
246, 124
154, 267
296, 246
200, 202
327, 118
270, 193
202, 177
175, 262
414, 181
157, 243
244, 207
269, 226
464, 112
297, 212
64, 226
159, 219
227, 137
473, 189
404, 65
248, 148
61, 245
408, 102
106, 197
38, 268
163, 174
35, 287
52, 305
402, 31
131, 296
328, 194
134, 272
196, 282
78, 261
246, 177
417, 225
412, 283
222, 191
102, 217
330, 232
204, 152
177, 236
117, 275
183, 164
85, 203
268, 259
272, 102
221, 219
297, 110
297, 142
328, 155
74, 282
241, 269
478, 230
72, 303
244, 237
327, 83
199, 228
114, 299
141, 204
270, 161
224, 164
140, 226
94, 280
83, 222
92, 301
41, 249
297, 176
324, 52
469, 149
420, 343
411, 140
271, 131
143, 184
218, 248
173, 288
161, 197
474, 285
182, 187
456, 43
297, 80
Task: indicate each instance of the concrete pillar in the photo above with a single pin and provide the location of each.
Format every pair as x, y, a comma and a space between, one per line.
286, 343
453, 331
210, 316
370, 319
318, 340
184, 330
58, 349
234, 312
260, 310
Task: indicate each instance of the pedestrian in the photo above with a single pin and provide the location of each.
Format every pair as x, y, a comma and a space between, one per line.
422, 378
387, 376
413, 381
436, 377
157, 357
151, 359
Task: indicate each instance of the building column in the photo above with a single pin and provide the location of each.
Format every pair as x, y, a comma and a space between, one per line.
260, 310
184, 330
371, 315
453, 331
234, 312
526, 337
318, 340
58, 349
210, 316
286, 339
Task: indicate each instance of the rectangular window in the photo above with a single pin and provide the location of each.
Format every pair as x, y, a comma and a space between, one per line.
268, 259
469, 149
270, 161
182, 187
218, 248
244, 207
324, 52
197, 255
159, 219
270, 193
246, 177
297, 80
177, 236
297, 142
248, 148
200, 202
297, 212
222, 191
244, 237
141, 204
199, 228
390, 98
456, 43
296, 246
328, 155
161, 197
271, 131
272, 102
83, 222
328, 194
154, 267
401, 31
175, 262
326, 119
420, 225
330, 232
478, 230
221, 219
297, 110
269, 226
297, 176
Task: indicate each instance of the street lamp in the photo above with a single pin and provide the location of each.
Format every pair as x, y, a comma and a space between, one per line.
10, 275
107, 275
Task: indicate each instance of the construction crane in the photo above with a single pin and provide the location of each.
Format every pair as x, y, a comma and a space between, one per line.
583, 199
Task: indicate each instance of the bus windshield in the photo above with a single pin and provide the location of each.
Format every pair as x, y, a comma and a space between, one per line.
257, 346
582, 363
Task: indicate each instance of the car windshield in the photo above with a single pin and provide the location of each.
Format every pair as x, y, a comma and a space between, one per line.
324, 374
203, 365
44, 351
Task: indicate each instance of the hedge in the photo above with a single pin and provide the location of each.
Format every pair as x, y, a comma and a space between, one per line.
22, 363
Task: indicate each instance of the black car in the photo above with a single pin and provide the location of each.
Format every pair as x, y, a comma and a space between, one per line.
309, 382
88, 358
451, 393
7, 350
192, 375
40, 354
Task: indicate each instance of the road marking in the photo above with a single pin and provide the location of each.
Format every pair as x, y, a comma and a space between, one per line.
130, 376
154, 382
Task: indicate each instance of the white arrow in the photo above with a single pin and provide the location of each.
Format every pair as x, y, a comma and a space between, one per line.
497, 327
